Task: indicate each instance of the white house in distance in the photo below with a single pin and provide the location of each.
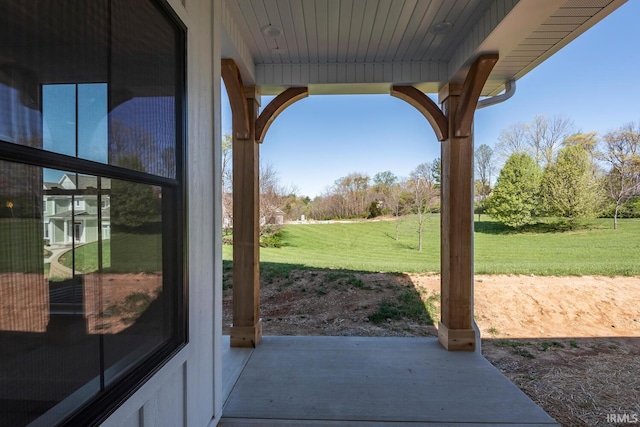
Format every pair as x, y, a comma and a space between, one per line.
70, 212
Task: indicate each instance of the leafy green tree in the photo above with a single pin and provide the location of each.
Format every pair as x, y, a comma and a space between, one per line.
133, 204
514, 200
383, 180
383, 183
569, 188
436, 172
588, 141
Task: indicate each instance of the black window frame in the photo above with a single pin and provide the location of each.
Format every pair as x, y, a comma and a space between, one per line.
174, 233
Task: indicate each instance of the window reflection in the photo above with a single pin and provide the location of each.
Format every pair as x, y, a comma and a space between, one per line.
75, 120
90, 268
59, 118
81, 287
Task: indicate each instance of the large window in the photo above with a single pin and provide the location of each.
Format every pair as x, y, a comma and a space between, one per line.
91, 204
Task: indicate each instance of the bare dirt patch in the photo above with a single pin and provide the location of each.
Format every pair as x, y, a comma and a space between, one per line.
571, 343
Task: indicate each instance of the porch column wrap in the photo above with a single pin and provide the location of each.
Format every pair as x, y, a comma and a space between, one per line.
247, 325
456, 328
246, 330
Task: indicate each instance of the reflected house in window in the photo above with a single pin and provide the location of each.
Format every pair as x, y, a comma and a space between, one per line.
73, 212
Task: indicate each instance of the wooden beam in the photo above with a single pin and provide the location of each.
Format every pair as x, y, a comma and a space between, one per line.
277, 106
471, 90
426, 106
235, 90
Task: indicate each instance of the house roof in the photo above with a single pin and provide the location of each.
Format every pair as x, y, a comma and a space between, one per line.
365, 46
106, 214
80, 182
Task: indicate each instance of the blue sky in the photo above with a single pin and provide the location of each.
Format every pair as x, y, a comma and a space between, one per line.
593, 81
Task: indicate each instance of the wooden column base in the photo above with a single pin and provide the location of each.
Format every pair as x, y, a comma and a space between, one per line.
457, 339
246, 336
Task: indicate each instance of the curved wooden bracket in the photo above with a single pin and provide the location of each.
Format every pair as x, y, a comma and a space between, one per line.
426, 106
237, 99
471, 90
277, 106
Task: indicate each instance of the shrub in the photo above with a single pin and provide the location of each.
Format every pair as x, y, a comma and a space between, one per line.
271, 237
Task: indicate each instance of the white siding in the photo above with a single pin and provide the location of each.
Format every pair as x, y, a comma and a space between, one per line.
182, 392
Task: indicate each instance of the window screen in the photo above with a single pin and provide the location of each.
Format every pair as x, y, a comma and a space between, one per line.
91, 204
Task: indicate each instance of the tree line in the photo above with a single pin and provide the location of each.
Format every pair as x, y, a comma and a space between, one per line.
548, 170
552, 171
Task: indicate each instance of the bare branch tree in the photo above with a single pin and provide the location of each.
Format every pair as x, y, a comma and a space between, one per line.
394, 200
621, 152
541, 138
512, 140
227, 183
271, 194
484, 165
551, 133
353, 192
421, 180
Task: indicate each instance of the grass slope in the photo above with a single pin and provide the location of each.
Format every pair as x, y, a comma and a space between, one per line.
371, 246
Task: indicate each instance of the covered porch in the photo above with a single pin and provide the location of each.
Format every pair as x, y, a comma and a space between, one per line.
363, 382
467, 56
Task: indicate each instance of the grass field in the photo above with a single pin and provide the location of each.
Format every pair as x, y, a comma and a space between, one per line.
87, 257
123, 253
542, 250
21, 245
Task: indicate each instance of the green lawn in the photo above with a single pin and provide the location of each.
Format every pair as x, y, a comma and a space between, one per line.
595, 250
371, 246
21, 246
87, 257
123, 253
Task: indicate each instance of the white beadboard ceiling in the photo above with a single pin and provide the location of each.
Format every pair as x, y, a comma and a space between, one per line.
364, 46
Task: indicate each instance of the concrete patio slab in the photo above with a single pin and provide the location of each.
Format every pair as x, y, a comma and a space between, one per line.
362, 382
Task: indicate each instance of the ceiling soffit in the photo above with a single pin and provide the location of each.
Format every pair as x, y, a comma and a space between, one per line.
364, 46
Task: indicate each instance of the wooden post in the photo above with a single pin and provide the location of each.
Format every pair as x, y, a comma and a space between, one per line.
245, 103
456, 330
453, 125
247, 325
248, 131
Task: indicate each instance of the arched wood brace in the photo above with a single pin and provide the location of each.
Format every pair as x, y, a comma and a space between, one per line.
471, 89
237, 99
426, 106
277, 106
